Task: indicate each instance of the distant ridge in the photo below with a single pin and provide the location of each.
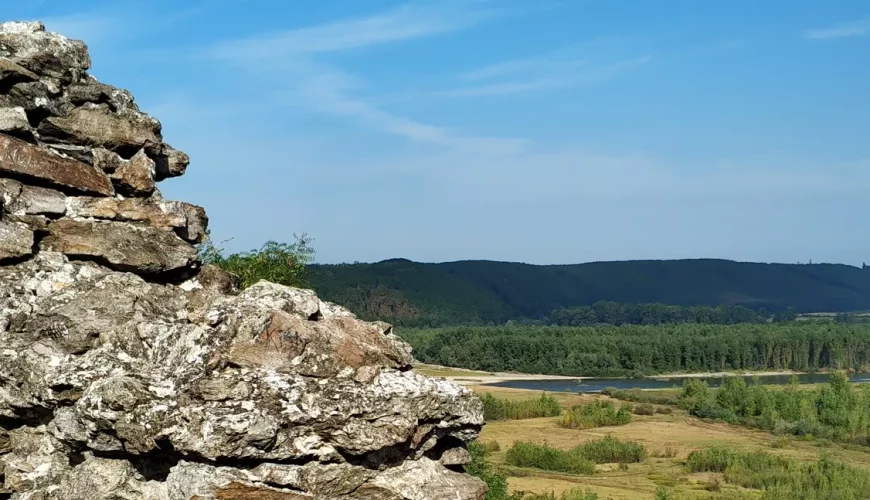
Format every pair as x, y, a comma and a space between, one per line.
479, 291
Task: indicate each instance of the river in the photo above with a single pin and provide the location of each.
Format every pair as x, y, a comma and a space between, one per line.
598, 384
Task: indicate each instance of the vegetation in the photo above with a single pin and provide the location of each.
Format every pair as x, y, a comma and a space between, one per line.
783, 478
595, 414
502, 409
612, 451
282, 263
541, 456
478, 292
578, 460
614, 313
838, 410
480, 468
644, 350
660, 397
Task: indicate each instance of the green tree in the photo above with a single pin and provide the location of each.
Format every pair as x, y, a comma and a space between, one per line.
281, 263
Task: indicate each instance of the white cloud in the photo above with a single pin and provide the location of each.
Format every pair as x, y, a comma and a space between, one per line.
407, 21
853, 29
567, 76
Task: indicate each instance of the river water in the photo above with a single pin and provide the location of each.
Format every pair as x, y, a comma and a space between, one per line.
598, 384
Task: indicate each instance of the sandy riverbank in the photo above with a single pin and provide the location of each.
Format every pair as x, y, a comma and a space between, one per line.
473, 377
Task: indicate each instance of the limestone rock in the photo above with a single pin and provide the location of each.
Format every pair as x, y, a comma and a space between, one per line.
96, 126
20, 199
49, 54
11, 73
18, 158
171, 162
135, 177
13, 121
188, 221
16, 240
125, 247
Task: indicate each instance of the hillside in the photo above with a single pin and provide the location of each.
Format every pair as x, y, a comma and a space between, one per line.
415, 294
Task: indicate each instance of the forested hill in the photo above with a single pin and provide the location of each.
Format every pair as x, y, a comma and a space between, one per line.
414, 294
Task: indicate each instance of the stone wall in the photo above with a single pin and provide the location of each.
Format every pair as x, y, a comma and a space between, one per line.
129, 371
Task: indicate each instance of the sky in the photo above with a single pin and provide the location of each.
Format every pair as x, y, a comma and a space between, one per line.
547, 131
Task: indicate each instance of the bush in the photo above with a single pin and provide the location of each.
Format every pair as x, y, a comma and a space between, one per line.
575, 494
783, 478
280, 263
611, 450
502, 409
644, 409
543, 457
596, 414
480, 468
659, 397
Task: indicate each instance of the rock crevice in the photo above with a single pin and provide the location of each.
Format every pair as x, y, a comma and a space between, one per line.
128, 370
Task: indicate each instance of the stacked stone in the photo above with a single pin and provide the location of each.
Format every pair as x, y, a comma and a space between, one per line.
79, 163
129, 372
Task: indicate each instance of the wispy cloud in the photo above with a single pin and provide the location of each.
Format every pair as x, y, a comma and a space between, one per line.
328, 89
853, 29
407, 21
296, 75
572, 74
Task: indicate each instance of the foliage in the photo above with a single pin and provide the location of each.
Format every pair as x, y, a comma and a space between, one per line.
478, 292
783, 478
575, 494
523, 454
644, 409
659, 397
614, 313
611, 450
595, 414
502, 409
837, 410
281, 263
480, 468
643, 350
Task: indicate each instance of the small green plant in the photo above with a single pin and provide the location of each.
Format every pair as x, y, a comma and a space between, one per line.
611, 450
480, 468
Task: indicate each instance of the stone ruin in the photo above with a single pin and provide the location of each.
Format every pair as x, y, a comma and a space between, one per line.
130, 371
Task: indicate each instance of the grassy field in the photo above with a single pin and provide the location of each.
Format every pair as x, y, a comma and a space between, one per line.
668, 438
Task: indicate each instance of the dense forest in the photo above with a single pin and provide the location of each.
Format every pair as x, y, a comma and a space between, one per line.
644, 350
483, 292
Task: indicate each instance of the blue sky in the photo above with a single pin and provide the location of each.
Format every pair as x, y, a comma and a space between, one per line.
547, 131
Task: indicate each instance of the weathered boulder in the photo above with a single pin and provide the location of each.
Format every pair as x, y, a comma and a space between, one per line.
41, 165
21, 199
13, 121
188, 221
125, 247
30, 46
97, 126
124, 369
16, 240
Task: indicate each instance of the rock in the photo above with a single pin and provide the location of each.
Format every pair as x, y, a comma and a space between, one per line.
48, 54
20, 199
18, 158
96, 126
135, 177
171, 162
188, 221
16, 240
124, 247
13, 121
11, 73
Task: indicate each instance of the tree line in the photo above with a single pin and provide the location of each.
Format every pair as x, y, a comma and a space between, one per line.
632, 350
614, 313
